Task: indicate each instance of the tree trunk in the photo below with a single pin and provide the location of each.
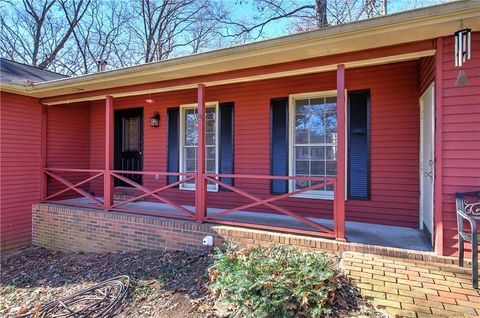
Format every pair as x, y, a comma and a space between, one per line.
321, 10
384, 7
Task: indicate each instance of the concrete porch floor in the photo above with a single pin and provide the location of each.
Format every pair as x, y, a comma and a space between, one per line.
357, 232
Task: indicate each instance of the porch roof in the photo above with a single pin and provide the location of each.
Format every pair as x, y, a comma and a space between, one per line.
396, 29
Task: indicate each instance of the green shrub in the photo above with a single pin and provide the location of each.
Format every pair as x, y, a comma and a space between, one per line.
273, 282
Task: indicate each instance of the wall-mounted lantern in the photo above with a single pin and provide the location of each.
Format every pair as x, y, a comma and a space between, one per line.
155, 120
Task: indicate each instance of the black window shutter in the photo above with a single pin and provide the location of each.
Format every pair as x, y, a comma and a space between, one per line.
226, 141
279, 144
359, 145
173, 142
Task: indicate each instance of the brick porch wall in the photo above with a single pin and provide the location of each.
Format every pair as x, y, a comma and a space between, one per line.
58, 227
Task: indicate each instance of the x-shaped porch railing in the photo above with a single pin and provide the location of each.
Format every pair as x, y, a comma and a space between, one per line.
184, 177
53, 173
257, 201
182, 212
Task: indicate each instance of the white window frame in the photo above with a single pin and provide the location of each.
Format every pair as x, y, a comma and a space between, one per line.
186, 186
312, 194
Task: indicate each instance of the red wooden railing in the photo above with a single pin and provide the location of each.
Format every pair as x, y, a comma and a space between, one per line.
257, 201
53, 173
186, 214
199, 214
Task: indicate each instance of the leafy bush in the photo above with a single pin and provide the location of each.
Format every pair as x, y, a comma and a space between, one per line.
273, 282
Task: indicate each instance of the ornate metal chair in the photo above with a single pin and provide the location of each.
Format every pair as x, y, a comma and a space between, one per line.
468, 209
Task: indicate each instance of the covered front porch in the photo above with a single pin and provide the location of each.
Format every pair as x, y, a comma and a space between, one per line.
249, 168
356, 232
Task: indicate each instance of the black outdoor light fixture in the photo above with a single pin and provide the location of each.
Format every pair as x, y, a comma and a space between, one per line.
155, 120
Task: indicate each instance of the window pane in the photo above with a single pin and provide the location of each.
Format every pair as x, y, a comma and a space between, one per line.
331, 137
302, 184
191, 127
302, 168
317, 101
210, 113
300, 106
210, 166
331, 169
210, 152
302, 153
330, 153
317, 126
301, 136
191, 152
330, 120
210, 126
210, 139
331, 100
317, 168
191, 165
130, 134
317, 153
301, 121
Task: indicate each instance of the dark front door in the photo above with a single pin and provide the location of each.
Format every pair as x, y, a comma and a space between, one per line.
129, 143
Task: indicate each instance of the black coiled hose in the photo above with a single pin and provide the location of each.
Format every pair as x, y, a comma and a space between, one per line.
99, 301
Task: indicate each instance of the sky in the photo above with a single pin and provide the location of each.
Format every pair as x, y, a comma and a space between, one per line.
246, 10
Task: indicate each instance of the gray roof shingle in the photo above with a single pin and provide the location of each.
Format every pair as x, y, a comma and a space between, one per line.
17, 73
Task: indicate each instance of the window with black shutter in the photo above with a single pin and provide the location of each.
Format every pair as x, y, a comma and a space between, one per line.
219, 142
358, 145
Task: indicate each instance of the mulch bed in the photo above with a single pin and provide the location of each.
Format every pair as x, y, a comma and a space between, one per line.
163, 284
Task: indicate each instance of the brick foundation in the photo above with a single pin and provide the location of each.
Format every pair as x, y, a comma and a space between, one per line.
67, 228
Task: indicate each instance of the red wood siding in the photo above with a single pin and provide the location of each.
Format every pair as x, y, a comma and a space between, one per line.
68, 140
394, 137
20, 132
426, 72
394, 144
461, 135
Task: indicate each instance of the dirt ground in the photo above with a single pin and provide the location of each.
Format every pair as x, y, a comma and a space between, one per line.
163, 284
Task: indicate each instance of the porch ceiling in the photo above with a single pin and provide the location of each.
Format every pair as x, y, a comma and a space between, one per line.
397, 29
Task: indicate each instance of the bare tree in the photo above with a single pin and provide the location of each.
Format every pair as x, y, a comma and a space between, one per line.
167, 26
268, 12
35, 31
304, 16
102, 35
205, 32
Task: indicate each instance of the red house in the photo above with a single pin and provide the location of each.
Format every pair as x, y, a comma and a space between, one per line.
361, 132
